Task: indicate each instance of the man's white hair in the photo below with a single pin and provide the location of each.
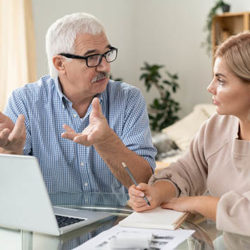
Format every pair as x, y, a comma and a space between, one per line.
61, 35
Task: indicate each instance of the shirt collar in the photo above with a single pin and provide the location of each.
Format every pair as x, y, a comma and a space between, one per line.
59, 91
65, 99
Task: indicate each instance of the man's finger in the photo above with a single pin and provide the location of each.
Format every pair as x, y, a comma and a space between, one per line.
2, 117
69, 135
5, 122
4, 134
67, 128
96, 108
82, 139
19, 129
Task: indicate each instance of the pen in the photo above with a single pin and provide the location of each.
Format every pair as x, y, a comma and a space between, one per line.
134, 181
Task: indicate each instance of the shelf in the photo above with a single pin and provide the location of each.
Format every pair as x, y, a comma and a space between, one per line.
228, 24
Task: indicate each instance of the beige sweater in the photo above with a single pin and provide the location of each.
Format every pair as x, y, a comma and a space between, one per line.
218, 162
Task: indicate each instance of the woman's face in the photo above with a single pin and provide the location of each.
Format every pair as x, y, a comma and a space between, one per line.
230, 94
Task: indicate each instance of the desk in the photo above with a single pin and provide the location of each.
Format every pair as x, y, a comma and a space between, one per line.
115, 204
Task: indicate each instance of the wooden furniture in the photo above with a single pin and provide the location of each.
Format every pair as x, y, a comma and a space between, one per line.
228, 24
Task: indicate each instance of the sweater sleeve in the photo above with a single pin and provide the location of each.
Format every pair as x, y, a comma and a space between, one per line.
189, 173
233, 212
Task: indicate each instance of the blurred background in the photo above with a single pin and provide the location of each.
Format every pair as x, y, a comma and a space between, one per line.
165, 32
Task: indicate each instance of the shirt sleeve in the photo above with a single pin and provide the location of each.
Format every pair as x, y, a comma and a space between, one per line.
15, 107
136, 133
189, 173
233, 212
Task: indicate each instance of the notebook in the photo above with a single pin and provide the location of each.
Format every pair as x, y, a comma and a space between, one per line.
25, 203
158, 218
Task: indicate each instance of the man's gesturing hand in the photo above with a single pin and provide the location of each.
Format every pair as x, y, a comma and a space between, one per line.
12, 136
96, 132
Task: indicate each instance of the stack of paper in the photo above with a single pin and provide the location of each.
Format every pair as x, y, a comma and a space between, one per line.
144, 230
136, 238
158, 218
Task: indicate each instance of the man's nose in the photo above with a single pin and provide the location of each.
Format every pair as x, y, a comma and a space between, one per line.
103, 65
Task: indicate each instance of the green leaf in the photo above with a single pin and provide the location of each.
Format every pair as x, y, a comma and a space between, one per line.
164, 108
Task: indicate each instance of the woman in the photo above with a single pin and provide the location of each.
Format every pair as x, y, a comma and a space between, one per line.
218, 159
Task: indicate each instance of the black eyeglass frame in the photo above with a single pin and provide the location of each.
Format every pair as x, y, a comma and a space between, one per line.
72, 56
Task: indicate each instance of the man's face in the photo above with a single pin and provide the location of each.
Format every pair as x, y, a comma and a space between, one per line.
78, 78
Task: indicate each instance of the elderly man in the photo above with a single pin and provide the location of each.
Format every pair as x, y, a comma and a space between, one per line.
79, 124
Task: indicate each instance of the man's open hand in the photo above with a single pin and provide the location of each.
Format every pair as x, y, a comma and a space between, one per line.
12, 136
96, 132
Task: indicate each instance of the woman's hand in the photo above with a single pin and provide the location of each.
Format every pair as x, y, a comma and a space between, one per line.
137, 201
205, 205
182, 204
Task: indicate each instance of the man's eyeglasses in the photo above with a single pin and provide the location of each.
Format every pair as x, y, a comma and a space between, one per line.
95, 60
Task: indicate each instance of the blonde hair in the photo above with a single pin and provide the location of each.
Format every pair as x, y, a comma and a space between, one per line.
236, 53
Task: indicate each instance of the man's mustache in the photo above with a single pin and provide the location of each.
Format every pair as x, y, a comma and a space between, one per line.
100, 76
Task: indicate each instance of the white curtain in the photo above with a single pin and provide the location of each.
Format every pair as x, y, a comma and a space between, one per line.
17, 46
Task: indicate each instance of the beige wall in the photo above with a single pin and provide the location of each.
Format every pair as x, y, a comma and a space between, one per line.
166, 32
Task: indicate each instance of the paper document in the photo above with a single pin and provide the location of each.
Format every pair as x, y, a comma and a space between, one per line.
157, 218
136, 238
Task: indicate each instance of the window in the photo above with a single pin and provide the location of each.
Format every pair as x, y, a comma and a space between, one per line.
17, 47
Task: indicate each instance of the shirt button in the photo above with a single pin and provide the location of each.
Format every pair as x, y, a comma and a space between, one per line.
75, 115
82, 163
85, 184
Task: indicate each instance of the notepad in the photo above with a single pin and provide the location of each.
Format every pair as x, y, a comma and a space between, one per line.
158, 218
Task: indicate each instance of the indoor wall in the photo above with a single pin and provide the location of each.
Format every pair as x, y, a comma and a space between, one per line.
167, 32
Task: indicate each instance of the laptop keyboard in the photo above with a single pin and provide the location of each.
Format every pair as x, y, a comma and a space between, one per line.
63, 221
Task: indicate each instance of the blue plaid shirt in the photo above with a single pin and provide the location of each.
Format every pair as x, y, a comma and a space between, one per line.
67, 166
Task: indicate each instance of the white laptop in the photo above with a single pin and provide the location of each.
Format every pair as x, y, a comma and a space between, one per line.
25, 203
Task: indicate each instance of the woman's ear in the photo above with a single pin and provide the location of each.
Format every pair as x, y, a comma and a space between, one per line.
59, 63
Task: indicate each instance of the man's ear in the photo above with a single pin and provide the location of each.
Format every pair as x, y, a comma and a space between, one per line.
58, 62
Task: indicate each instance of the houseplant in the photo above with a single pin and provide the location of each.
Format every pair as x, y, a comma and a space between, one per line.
163, 110
219, 5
